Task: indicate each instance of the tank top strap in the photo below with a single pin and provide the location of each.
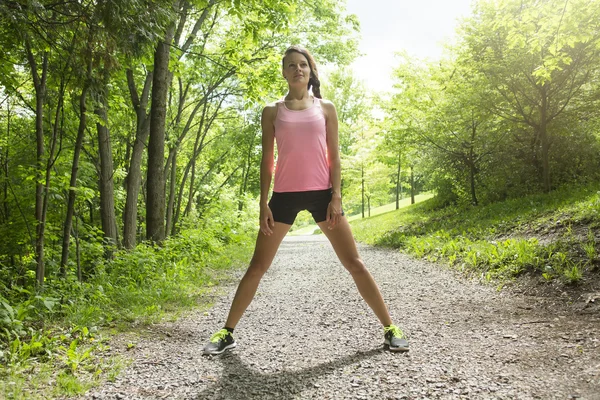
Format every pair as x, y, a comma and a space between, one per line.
279, 107
319, 105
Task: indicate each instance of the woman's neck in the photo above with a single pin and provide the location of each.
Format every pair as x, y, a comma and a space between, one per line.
297, 94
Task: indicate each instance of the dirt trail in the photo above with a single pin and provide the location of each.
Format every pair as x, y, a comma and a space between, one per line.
309, 335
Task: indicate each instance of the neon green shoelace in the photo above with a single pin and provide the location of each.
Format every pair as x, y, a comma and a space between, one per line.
220, 335
396, 332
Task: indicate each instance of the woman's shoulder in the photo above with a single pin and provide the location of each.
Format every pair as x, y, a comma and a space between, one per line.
270, 110
271, 105
327, 106
326, 103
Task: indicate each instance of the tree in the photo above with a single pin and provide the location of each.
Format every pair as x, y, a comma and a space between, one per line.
537, 62
133, 181
83, 98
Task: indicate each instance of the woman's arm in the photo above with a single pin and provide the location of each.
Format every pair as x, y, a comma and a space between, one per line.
266, 167
334, 211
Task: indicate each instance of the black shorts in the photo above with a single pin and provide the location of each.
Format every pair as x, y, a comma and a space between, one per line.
286, 205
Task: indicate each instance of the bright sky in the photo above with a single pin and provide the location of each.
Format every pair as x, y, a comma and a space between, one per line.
418, 27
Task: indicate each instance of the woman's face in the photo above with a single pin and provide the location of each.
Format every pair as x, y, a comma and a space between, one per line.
296, 69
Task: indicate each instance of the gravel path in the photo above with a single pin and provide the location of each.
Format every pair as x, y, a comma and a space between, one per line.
309, 335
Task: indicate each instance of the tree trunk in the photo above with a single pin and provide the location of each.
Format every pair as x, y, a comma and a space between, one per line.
198, 143
172, 188
203, 128
190, 199
246, 173
134, 175
472, 166
186, 171
155, 207
73, 182
75, 166
78, 251
362, 184
398, 181
5, 156
412, 185
242, 189
91, 211
545, 140
39, 83
472, 180
106, 184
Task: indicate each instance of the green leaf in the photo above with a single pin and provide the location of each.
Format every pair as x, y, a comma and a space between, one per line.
9, 309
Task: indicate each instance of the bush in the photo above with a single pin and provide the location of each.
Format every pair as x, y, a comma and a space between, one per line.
59, 325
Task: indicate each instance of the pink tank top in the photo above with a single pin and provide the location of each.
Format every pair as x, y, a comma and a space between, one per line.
301, 139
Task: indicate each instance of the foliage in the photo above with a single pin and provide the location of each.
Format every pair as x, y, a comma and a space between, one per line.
509, 110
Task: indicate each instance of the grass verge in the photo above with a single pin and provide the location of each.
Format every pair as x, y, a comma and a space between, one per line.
555, 234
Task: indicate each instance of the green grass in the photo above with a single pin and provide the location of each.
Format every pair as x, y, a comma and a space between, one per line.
49, 380
310, 229
51, 348
547, 233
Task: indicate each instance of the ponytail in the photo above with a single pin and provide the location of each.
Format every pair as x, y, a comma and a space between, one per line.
315, 84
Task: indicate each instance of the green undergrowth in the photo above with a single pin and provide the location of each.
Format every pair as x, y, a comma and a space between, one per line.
54, 343
553, 234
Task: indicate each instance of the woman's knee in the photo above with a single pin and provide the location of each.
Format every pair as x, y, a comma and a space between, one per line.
355, 266
257, 267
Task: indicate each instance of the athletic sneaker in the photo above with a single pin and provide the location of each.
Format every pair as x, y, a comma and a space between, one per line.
395, 339
219, 342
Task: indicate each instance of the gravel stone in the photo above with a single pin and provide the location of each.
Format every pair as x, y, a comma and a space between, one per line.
309, 335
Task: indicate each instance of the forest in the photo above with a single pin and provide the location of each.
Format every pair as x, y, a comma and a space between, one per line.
130, 141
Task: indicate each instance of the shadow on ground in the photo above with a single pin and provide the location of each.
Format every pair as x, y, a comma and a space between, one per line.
240, 381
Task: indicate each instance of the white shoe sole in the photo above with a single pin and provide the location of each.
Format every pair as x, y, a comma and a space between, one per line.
398, 349
395, 349
214, 353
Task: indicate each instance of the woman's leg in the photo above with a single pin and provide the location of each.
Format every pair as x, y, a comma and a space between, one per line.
344, 246
264, 252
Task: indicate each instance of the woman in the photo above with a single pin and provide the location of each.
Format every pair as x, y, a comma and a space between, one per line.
307, 177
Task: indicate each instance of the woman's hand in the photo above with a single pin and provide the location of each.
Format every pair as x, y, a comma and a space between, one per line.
266, 220
334, 212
